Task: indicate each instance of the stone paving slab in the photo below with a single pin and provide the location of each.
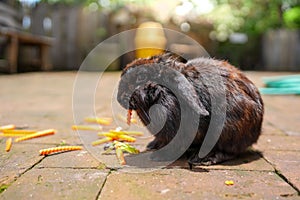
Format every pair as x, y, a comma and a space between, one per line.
287, 164
74, 159
250, 160
39, 101
269, 129
283, 113
58, 183
14, 163
276, 142
185, 184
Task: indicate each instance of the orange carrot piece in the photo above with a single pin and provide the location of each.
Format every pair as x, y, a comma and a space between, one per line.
102, 141
107, 134
129, 114
7, 127
126, 138
36, 135
87, 128
124, 119
115, 136
133, 120
18, 132
59, 149
130, 133
8, 144
102, 121
120, 156
10, 135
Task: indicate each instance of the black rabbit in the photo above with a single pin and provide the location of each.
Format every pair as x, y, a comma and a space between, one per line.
195, 81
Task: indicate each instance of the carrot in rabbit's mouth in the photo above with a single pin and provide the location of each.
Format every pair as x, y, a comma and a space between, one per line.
129, 114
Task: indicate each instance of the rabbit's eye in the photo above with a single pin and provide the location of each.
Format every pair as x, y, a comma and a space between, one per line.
141, 78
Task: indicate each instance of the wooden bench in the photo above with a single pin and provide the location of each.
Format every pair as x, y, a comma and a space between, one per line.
15, 37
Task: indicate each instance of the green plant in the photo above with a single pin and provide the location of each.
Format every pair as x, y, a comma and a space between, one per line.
253, 17
292, 17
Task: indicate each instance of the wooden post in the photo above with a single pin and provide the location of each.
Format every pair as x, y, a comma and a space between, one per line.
13, 54
45, 63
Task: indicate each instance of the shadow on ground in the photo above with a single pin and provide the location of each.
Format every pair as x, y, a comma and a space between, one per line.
244, 158
182, 163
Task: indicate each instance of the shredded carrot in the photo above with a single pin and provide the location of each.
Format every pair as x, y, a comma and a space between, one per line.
133, 120
10, 135
59, 149
124, 119
126, 138
7, 127
129, 114
37, 134
87, 128
102, 121
107, 134
120, 156
8, 144
133, 133
118, 136
18, 132
102, 141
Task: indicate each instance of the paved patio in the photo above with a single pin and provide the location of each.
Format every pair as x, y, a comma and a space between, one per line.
44, 100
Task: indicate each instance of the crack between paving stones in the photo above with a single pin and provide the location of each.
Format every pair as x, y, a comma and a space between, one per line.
287, 181
280, 129
26, 170
284, 178
68, 168
102, 186
35, 164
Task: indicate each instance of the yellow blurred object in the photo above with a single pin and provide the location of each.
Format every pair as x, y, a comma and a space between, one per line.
150, 40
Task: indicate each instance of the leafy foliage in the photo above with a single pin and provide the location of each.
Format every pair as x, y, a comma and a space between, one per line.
292, 17
253, 17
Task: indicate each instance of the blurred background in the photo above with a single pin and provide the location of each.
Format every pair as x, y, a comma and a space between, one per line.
59, 34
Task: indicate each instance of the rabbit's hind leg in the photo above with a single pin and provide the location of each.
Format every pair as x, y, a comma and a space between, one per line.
212, 158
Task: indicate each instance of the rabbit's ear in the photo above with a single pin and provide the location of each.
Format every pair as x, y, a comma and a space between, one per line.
187, 93
183, 89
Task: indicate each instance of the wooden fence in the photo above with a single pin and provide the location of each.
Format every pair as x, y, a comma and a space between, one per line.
75, 32
281, 50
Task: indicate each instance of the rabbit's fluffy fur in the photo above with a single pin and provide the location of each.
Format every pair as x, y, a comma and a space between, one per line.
244, 106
